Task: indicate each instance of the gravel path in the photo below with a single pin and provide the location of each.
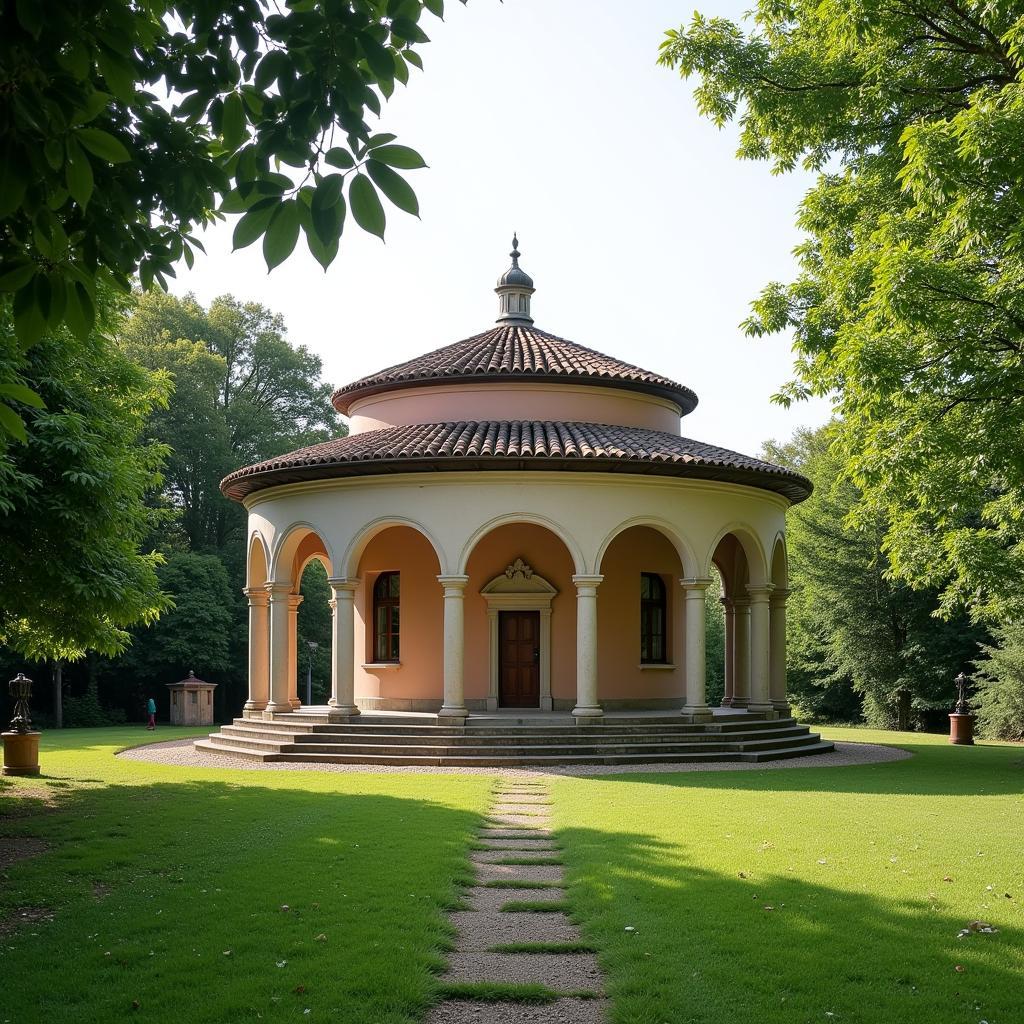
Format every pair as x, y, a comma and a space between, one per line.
183, 753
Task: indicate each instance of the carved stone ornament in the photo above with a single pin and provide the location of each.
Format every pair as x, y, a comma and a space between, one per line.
518, 568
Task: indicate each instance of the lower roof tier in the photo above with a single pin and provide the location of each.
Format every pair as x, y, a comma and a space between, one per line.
524, 445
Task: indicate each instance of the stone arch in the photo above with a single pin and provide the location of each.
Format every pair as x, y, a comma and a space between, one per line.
780, 563
754, 556
300, 543
360, 542
257, 569
684, 549
570, 542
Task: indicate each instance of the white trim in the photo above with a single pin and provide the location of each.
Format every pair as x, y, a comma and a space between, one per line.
519, 590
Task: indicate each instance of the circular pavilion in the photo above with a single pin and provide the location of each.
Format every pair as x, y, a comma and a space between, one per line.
513, 523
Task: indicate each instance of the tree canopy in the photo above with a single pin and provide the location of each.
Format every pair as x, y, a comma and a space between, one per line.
126, 127
908, 307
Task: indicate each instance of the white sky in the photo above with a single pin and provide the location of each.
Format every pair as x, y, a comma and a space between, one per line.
645, 237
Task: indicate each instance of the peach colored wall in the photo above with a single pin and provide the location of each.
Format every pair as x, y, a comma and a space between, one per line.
636, 550
418, 677
522, 401
548, 557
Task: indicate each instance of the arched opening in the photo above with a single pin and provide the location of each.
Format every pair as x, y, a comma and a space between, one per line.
398, 637
777, 650
520, 638
714, 639
313, 633
730, 560
257, 567
641, 622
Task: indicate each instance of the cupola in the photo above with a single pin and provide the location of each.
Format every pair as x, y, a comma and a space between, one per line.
514, 289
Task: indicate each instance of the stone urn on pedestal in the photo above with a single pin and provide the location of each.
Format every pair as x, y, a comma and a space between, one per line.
21, 741
961, 721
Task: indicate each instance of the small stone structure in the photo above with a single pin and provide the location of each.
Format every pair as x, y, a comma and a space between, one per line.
192, 701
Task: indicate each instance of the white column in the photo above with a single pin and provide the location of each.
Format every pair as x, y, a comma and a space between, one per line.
343, 648
760, 698
280, 660
587, 705
454, 705
696, 706
259, 651
777, 687
293, 651
741, 653
729, 668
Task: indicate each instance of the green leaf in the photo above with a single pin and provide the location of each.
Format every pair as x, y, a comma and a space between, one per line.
118, 74
327, 209
394, 186
436, 7
366, 207
12, 182
103, 145
78, 174
31, 16
399, 156
53, 150
11, 423
29, 319
80, 313
252, 225
233, 123
20, 393
16, 275
282, 234
338, 157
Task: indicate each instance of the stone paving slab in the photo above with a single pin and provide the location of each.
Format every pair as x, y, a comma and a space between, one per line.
518, 820
509, 832
479, 930
518, 872
528, 810
491, 856
483, 899
524, 796
563, 1011
547, 845
566, 972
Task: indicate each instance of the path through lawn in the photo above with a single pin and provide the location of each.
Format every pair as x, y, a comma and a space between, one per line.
229, 896
817, 895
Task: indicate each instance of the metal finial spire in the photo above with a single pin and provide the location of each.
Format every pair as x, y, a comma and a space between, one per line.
515, 254
514, 289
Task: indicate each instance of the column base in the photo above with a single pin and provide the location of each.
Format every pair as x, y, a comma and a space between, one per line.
295, 703
252, 709
587, 712
783, 708
342, 712
453, 714
767, 710
696, 713
739, 702
276, 709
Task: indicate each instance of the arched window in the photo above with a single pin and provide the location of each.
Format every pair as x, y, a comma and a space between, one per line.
386, 616
653, 616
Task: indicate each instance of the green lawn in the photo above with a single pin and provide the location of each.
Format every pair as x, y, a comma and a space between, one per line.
168, 886
862, 926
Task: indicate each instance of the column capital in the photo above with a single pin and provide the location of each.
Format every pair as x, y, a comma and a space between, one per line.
258, 596
278, 591
294, 600
583, 580
341, 583
779, 595
453, 583
697, 584
759, 591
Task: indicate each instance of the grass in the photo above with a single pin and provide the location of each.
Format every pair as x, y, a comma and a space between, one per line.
553, 948
508, 992
553, 861
811, 894
515, 883
214, 896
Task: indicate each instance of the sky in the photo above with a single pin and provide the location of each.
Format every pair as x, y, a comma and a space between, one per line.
645, 236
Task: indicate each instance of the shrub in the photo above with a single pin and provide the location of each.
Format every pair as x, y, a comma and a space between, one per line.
999, 698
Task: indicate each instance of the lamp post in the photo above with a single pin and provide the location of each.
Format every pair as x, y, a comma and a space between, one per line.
961, 721
21, 742
312, 645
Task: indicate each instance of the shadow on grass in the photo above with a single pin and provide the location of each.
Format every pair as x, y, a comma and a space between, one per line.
681, 943
213, 901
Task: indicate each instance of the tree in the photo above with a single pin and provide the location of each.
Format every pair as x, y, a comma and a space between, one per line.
999, 698
908, 307
72, 508
850, 623
127, 126
314, 625
243, 394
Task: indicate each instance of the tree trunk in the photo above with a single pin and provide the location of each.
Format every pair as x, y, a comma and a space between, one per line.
903, 710
58, 694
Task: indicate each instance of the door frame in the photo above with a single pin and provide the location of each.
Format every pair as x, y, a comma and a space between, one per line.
519, 588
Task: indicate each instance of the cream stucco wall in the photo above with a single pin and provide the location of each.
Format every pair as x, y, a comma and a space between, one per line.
514, 401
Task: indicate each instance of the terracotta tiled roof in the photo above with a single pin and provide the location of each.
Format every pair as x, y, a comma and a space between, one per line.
517, 351
515, 445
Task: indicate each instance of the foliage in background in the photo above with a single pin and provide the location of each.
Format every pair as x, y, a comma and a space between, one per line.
243, 393
909, 302
125, 127
850, 623
714, 643
999, 696
314, 624
72, 497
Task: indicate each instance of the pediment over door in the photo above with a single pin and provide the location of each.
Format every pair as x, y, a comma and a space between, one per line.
519, 578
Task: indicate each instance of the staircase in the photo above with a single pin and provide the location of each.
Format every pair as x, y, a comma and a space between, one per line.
509, 742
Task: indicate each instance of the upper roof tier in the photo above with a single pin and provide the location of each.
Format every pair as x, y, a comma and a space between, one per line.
515, 351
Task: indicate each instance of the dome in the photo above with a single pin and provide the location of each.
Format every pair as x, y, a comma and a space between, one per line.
515, 276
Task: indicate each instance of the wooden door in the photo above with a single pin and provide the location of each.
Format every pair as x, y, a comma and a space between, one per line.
519, 659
